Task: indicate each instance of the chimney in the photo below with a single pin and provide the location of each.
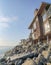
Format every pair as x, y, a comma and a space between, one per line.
35, 12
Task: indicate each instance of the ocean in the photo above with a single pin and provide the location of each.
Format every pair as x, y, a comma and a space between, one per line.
3, 49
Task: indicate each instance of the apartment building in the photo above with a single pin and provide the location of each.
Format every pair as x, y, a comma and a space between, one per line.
41, 24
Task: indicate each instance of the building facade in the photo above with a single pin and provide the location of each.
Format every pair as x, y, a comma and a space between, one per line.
41, 24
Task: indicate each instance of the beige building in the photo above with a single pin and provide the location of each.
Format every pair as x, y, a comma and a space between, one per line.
41, 24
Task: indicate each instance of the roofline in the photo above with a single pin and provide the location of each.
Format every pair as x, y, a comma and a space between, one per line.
43, 4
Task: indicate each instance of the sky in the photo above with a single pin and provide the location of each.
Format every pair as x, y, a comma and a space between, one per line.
15, 17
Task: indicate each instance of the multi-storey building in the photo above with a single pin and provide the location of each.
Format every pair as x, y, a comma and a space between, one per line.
41, 24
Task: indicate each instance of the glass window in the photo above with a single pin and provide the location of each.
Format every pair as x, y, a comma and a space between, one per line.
33, 36
44, 15
34, 26
47, 27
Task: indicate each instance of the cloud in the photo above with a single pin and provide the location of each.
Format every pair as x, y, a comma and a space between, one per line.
8, 19
4, 21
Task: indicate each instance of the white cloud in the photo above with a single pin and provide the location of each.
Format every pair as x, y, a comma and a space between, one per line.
4, 21
8, 19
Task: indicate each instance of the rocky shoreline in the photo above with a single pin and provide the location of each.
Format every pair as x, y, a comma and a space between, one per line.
42, 54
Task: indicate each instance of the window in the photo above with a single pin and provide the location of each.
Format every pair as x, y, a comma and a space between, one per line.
44, 15
34, 26
47, 27
33, 36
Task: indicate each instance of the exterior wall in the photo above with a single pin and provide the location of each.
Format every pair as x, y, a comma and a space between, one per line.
41, 25
35, 29
50, 24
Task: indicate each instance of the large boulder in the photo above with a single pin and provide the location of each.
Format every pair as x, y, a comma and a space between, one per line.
19, 62
48, 63
28, 62
45, 54
49, 58
40, 60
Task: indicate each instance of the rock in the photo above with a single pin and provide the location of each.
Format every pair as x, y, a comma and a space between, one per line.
41, 54
28, 62
37, 59
35, 54
40, 59
19, 62
49, 58
45, 54
42, 48
12, 64
40, 63
48, 63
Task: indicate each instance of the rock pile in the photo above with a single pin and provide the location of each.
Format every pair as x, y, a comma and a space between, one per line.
43, 51
44, 57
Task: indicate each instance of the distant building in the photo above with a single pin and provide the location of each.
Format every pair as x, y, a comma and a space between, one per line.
41, 24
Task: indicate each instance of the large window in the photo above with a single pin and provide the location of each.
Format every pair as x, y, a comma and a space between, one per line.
33, 37
47, 27
44, 15
34, 26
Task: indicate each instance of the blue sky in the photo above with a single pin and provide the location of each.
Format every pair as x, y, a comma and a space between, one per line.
15, 17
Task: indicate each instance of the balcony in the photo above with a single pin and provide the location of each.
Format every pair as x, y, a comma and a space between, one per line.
49, 12
46, 13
